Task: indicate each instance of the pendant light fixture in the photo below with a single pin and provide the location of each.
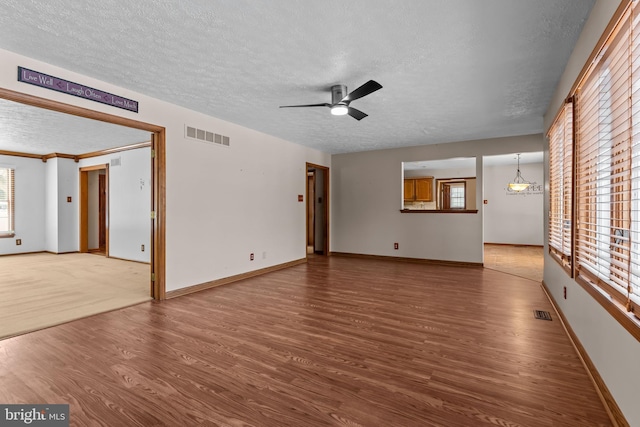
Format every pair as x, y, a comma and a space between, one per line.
519, 183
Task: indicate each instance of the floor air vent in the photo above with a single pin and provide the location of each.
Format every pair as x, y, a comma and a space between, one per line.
542, 315
206, 136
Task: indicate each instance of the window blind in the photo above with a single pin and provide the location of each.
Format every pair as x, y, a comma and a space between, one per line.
560, 182
608, 166
7, 196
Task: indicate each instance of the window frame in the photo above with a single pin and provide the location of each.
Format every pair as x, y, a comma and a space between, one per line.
606, 183
11, 232
447, 196
561, 204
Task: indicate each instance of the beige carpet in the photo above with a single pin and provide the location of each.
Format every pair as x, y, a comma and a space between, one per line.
43, 289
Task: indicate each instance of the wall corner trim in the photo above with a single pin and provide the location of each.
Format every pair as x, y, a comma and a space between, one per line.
615, 414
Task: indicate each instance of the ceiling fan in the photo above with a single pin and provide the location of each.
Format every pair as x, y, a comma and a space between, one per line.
340, 100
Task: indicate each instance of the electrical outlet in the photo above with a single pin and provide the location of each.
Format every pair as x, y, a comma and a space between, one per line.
264, 255
18, 242
142, 248
251, 257
396, 246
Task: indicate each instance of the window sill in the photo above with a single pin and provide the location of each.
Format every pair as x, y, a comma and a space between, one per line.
628, 321
7, 236
467, 211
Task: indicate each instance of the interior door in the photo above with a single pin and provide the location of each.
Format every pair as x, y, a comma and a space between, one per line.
94, 209
446, 196
102, 212
311, 195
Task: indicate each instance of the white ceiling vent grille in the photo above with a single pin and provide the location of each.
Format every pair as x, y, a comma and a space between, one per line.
206, 136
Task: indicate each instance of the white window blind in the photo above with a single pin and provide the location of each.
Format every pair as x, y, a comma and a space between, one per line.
607, 167
7, 196
560, 182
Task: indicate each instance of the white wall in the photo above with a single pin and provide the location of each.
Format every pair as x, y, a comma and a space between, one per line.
68, 212
61, 217
51, 205
129, 203
612, 349
222, 203
505, 205
30, 205
46, 221
367, 194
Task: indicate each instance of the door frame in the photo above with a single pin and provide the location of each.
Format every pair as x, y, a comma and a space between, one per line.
158, 175
325, 195
84, 206
311, 208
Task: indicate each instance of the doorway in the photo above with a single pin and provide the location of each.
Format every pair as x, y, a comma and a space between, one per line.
513, 221
317, 224
158, 176
94, 211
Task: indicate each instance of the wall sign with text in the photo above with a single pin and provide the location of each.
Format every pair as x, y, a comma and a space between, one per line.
46, 81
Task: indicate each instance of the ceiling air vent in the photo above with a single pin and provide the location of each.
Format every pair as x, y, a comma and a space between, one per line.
206, 136
116, 161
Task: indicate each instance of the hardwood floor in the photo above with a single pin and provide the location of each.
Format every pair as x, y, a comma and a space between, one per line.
519, 260
336, 341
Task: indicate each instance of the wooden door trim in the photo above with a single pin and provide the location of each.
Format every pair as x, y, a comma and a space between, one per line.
158, 147
311, 192
94, 167
325, 195
83, 178
103, 209
84, 206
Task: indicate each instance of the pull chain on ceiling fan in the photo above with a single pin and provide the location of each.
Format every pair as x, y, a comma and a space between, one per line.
340, 100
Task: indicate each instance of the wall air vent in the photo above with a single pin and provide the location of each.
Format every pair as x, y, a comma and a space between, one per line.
206, 136
116, 161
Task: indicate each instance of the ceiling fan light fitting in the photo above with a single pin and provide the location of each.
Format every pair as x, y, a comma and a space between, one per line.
339, 110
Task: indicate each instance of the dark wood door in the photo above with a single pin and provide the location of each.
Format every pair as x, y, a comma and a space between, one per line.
311, 196
102, 212
446, 196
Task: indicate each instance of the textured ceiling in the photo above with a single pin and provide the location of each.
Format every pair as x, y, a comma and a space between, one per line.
470, 162
451, 70
33, 130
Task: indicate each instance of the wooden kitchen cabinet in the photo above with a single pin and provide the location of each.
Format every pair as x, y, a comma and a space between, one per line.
409, 190
424, 189
419, 189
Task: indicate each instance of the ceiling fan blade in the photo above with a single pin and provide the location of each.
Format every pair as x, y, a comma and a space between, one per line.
307, 105
364, 90
357, 114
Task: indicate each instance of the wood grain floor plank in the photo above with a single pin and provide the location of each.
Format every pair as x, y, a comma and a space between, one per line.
335, 342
